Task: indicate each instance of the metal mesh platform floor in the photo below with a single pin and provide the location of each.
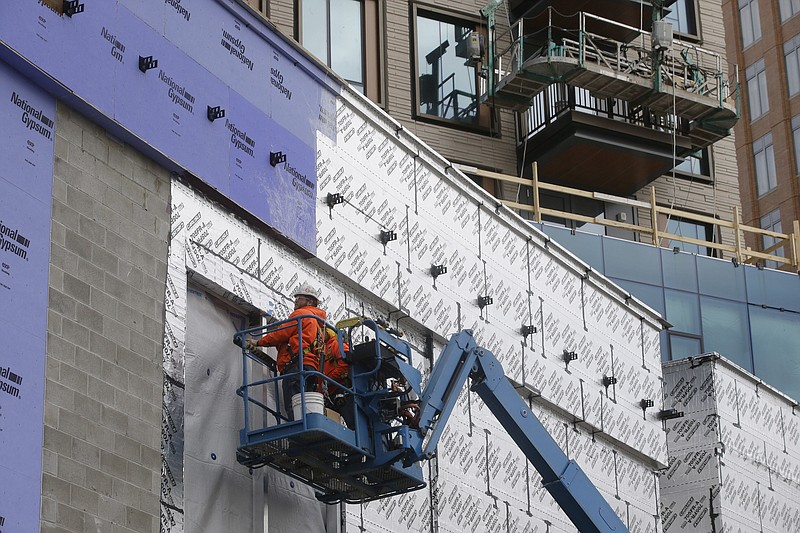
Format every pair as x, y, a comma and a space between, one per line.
336, 469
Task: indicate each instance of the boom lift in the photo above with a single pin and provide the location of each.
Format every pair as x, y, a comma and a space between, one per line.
397, 424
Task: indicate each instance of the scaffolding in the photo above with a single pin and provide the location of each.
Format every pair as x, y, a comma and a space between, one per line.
681, 80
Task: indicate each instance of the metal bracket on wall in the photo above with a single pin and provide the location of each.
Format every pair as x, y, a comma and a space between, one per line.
645, 404
214, 113
568, 357
276, 158
334, 198
387, 236
669, 414
609, 380
72, 7
438, 270
147, 63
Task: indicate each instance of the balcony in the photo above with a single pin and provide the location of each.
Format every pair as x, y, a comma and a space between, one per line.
628, 13
595, 98
600, 144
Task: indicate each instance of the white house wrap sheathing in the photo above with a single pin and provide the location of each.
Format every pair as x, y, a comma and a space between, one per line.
734, 456
479, 481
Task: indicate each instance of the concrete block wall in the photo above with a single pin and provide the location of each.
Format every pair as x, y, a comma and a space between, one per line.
102, 422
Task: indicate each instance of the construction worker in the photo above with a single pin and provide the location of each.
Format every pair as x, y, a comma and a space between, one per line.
291, 348
335, 366
337, 369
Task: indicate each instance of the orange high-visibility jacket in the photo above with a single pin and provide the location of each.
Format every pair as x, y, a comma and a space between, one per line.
287, 342
335, 366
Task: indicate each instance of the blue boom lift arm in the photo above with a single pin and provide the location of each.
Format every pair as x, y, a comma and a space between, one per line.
396, 425
563, 478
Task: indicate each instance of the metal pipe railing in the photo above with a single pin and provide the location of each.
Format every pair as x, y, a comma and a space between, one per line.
685, 62
789, 243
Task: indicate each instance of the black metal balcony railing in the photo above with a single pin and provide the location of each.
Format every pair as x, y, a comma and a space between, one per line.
558, 98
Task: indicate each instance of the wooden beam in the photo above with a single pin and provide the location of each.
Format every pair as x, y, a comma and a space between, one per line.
736, 237
695, 217
492, 175
654, 217
537, 211
699, 242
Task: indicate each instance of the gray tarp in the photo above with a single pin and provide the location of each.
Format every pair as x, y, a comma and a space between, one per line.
220, 494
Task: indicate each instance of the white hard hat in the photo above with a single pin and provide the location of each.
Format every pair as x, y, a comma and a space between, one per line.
306, 290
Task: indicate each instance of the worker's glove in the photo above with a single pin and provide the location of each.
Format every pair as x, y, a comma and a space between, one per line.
248, 344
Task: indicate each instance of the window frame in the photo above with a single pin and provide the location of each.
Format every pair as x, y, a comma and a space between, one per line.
782, 4
757, 72
705, 163
765, 144
771, 222
682, 335
259, 6
692, 19
487, 123
754, 25
373, 46
792, 48
709, 230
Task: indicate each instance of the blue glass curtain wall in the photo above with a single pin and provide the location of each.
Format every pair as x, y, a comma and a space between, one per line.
750, 316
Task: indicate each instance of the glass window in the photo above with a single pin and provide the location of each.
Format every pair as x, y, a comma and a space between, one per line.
772, 222
756, 77
446, 75
681, 346
588, 247
344, 35
650, 294
693, 230
683, 17
632, 261
776, 336
663, 342
683, 311
773, 288
725, 330
556, 203
789, 8
720, 278
750, 20
792, 57
764, 163
680, 270
339, 22
696, 164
